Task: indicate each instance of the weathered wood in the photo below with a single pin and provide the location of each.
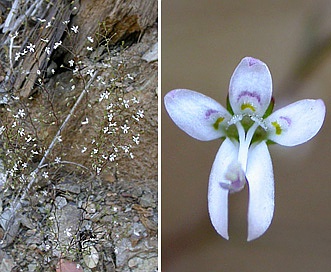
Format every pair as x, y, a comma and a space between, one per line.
42, 37
120, 17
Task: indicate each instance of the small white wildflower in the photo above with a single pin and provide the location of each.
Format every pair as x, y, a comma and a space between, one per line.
49, 24
110, 117
38, 72
109, 106
84, 149
135, 118
34, 152
135, 100
57, 44
48, 50
125, 148
104, 95
74, 29
24, 165
14, 124
85, 122
71, 62
57, 160
130, 77
41, 20
89, 48
17, 56
65, 22
113, 124
105, 157
45, 175
28, 139
140, 113
98, 170
95, 151
21, 132
126, 103
53, 71
73, 87
90, 72
31, 47
67, 232
112, 157
2, 129
90, 39
59, 138
131, 155
105, 130
136, 139
125, 128
21, 113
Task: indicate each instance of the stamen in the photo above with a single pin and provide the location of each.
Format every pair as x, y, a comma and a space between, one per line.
277, 127
247, 106
217, 123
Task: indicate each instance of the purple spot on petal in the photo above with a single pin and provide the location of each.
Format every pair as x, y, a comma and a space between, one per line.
252, 61
288, 120
249, 94
210, 112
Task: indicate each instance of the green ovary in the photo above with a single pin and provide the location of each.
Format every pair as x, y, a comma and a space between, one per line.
277, 127
217, 123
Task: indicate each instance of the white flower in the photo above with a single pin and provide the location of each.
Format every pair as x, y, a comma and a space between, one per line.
136, 139
247, 126
57, 44
135, 100
90, 72
90, 39
45, 175
125, 128
71, 62
140, 113
85, 122
21, 132
47, 50
57, 160
74, 29
126, 103
31, 47
112, 157
89, 48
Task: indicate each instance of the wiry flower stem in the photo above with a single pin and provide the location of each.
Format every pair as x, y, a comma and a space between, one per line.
18, 204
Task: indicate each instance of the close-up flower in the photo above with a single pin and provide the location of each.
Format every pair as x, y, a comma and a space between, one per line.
247, 126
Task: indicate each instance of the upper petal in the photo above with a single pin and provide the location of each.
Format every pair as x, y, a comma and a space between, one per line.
250, 87
261, 190
217, 194
296, 123
198, 115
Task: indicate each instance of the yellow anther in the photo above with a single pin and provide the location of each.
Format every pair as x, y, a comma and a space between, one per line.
277, 127
247, 106
218, 121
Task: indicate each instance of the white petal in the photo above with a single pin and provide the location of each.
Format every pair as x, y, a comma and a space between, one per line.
250, 87
198, 115
217, 195
296, 123
261, 190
